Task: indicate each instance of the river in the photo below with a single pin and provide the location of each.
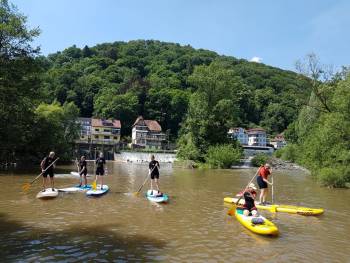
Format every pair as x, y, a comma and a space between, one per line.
192, 227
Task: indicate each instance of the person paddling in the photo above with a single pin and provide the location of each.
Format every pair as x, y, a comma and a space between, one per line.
249, 203
154, 172
100, 170
82, 171
45, 163
264, 172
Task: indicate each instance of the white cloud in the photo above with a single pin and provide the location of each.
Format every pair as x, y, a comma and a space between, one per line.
256, 59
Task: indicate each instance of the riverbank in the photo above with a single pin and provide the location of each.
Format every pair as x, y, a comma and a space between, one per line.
280, 164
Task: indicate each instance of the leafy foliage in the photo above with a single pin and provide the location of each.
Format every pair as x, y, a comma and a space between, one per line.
260, 159
223, 156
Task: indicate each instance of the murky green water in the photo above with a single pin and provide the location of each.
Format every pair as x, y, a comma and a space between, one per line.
193, 227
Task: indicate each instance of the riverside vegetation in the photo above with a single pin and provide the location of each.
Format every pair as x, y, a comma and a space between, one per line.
196, 95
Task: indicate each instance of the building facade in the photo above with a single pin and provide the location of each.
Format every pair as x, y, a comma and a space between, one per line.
147, 134
278, 142
239, 134
256, 137
98, 135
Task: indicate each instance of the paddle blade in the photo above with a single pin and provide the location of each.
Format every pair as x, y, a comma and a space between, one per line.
26, 187
231, 212
94, 185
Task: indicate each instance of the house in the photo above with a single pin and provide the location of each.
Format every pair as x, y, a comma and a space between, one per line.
85, 129
278, 142
239, 134
256, 137
98, 135
147, 134
105, 131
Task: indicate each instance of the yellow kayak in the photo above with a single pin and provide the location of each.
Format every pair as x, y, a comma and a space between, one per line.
280, 208
257, 224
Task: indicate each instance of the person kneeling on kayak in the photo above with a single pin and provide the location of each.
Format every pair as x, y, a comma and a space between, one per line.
249, 204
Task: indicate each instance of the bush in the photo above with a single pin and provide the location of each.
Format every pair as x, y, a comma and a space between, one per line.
333, 177
223, 156
278, 153
289, 153
260, 159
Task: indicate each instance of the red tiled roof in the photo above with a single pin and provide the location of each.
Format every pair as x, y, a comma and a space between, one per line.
152, 125
104, 123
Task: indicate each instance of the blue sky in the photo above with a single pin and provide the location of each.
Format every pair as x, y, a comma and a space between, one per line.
278, 32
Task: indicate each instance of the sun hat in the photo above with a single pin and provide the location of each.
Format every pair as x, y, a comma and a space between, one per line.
251, 185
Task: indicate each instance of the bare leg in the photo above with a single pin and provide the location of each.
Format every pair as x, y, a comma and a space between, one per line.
85, 180
151, 184
80, 180
101, 176
157, 184
261, 195
52, 182
44, 183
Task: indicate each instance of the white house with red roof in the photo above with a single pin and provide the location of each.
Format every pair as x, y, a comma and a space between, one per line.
147, 134
279, 141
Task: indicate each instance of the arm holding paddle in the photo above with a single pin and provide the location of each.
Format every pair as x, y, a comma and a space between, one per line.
147, 176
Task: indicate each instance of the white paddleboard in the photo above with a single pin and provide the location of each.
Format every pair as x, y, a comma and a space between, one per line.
48, 194
77, 174
98, 191
75, 189
153, 195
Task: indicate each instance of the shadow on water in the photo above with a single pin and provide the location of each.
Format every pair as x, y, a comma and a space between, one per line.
101, 243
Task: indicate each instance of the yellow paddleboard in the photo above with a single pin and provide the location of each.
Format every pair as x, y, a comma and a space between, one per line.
280, 208
259, 224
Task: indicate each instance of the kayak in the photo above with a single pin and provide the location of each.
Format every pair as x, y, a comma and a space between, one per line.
280, 208
98, 191
48, 194
76, 188
257, 224
156, 196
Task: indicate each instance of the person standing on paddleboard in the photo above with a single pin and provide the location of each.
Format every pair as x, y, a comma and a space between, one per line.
100, 170
82, 171
264, 172
153, 167
46, 162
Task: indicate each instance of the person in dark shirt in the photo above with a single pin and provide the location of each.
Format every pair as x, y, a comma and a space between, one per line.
154, 172
82, 171
100, 170
249, 203
45, 163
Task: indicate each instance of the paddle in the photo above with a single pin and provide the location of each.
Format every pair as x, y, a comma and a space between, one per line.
231, 211
147, 176
27, 186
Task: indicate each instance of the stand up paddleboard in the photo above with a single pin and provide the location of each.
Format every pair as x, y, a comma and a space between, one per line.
78, 175
76, 188
306, 211
48, 194
257, 224
98, 191
155, 196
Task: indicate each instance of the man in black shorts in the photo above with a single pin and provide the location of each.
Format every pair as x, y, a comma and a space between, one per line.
154, 172
45, 163
100, 170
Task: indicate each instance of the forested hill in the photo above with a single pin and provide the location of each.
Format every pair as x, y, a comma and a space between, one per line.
156, 79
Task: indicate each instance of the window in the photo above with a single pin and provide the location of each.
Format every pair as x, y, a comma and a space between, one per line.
97, 129
106, 137
96, 136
